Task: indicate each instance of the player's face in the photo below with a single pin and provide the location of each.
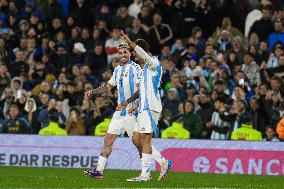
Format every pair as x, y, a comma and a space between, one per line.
124, 55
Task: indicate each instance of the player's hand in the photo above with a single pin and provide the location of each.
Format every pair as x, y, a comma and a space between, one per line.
124, 37
121, 106
88, 94
209, 125
133, 109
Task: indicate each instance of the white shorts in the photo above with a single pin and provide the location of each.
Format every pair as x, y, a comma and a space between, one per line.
147, 121
119, 124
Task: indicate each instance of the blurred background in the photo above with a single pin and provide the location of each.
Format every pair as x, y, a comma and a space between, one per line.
223, 65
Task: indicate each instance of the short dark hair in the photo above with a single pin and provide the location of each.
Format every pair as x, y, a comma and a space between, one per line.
276, 78
246, 118
13, 105
143, 44
53, 115
270, 127
221, 99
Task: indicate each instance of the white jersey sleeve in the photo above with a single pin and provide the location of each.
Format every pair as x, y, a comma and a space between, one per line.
137, 73
153, 62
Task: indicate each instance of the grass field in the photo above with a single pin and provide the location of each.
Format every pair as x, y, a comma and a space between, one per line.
19, 177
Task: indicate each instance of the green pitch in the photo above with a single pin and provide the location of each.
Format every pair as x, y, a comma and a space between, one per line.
19, 177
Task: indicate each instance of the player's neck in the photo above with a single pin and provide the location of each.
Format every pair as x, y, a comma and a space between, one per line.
142, 64
124, 64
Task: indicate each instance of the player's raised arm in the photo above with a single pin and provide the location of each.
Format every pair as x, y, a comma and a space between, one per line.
140, 52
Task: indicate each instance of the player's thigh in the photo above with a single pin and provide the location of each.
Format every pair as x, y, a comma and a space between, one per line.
129, 123
116, 124
147, 121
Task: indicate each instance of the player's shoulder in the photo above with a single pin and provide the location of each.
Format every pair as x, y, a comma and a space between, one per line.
117, 68
156, 58
158, 62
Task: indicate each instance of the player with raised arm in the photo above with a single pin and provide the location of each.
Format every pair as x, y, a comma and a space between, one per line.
126, 78
149, 106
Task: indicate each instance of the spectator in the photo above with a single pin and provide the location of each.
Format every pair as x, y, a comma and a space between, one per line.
5, 52
252, 16
237, 47
4, 78
253, 39
96, 59
122, 19
205, 112
112, 43
70, 23
277, 35
270, 134
86, 39
16, 123
165, 53
43, 113
171, 102
177, 48
103, 29
177, 131
104, 14
165, 120
93, 119
175, 83
252, 49
220, 128
78, 54
192, 121
138, 31
251, 69
7, 99
224, 41
19, 65
159, 34
232, 60
173, 15
188, 53
227, 26
71, 94
135, 8
259, 118
82, 10
53, 126
21, 99
246, 132
101, 128
278, 69
30, 111
97, 37
75, 124
52, 10
23, 28
263, 50
264, 26
145, 16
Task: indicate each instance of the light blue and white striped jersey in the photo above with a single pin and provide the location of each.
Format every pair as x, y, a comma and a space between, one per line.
149, 95
126, 78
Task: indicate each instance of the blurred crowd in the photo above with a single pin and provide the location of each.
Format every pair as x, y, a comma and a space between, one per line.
223, 65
